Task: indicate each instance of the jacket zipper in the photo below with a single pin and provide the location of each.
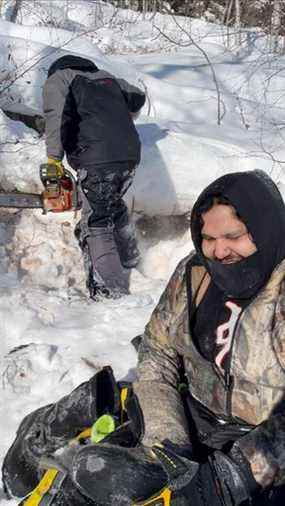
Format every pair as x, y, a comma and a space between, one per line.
229, 383
229, 378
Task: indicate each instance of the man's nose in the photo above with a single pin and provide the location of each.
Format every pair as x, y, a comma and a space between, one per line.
222, 249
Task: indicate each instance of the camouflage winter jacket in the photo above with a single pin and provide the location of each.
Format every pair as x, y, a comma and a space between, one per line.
253, 393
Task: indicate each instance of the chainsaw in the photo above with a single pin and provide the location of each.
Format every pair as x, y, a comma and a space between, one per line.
60, 193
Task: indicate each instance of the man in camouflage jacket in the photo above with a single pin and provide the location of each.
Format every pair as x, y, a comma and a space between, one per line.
222, 313
219, 329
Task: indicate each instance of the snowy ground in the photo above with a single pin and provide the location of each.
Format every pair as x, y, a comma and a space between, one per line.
61, 338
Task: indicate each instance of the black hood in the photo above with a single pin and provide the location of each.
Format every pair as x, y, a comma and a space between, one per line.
260, 206
72, 62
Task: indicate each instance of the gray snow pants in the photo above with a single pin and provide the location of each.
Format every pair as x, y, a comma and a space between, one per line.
105, 233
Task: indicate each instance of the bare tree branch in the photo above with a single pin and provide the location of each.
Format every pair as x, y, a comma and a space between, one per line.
204, 53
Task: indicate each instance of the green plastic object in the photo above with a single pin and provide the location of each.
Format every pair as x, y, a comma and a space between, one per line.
102, 427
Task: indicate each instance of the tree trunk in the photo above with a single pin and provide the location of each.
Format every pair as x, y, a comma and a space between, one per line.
238, 22
226, 20
15, 10
275, 25
228, 11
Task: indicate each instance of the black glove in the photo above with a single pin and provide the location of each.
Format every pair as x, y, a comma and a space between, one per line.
224, 480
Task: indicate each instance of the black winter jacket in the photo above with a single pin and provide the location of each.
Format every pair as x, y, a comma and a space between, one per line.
88, 114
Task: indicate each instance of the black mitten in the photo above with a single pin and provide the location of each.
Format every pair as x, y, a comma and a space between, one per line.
224, 480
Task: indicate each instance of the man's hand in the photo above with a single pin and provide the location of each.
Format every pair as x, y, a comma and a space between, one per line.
51, 172
55, 167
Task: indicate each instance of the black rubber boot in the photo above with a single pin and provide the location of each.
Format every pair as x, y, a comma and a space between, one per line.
52, 427
107, 276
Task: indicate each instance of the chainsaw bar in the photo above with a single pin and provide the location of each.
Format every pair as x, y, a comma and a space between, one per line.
21, 200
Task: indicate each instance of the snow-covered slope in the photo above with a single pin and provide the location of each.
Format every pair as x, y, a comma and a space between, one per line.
61, 337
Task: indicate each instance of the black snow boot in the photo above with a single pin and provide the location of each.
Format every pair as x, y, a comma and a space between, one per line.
107, 277
51, 427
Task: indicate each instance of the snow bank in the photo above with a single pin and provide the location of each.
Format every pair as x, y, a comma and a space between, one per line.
61, 337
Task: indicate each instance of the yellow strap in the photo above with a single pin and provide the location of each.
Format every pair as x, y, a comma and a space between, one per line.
84, 434
48, 478
124, 395
42, 488
163, 499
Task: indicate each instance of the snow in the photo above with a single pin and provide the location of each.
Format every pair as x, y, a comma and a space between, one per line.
52, 336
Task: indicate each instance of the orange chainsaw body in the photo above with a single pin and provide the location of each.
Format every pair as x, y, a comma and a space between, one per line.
59, 198
60, 193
